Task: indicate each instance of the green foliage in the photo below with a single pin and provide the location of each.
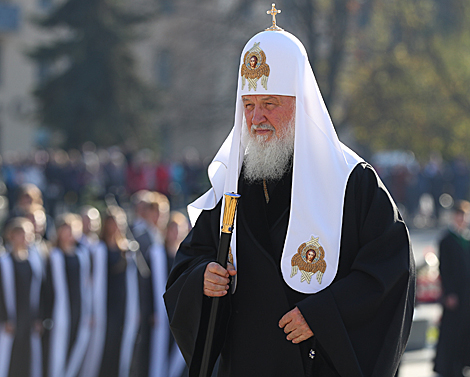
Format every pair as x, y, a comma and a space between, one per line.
92, 92
410, 88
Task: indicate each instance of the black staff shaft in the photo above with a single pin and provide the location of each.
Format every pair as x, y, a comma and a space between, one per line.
231, 201
222, 255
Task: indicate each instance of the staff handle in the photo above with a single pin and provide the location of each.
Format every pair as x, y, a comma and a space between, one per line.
231, 202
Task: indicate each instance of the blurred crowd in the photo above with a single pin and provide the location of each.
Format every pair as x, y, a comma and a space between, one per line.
69, 179
423, 191
81, 291
75, 177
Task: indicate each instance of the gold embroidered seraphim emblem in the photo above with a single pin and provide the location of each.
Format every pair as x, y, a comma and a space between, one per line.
309, 259
254, 67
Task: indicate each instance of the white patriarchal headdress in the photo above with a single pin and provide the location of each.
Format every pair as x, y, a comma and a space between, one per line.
321, 167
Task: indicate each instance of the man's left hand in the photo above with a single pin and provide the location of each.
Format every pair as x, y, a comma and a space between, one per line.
295, 326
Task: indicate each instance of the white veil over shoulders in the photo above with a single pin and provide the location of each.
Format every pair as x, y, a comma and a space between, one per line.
321, 165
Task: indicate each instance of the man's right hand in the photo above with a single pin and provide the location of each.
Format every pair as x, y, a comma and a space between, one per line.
216, 279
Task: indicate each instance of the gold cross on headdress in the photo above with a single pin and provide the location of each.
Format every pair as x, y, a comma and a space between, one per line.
273, 12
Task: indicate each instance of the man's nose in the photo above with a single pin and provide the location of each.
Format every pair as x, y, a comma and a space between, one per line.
258, 116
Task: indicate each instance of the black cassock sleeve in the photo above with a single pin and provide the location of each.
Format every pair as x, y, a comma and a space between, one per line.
363, 319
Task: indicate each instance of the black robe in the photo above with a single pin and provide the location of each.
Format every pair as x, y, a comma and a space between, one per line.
72, 273
20, 365
27, 317
116, 309
361, 321
72, 267
141, 360
453, 348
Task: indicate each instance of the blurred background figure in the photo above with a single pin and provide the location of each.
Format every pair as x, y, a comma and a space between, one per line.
177, 230
139, 201
67, 301
91, 226
146, 234
143, 233
453, 348
21, 277
28, 195
38, 218
151, 359
157, 218
115, 301
29, 203
139, 172
434, 180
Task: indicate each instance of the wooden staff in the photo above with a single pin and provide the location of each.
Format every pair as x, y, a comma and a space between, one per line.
207, 365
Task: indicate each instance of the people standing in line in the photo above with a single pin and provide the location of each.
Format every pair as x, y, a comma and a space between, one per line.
21, 278
115, 301
67, 301
453, 347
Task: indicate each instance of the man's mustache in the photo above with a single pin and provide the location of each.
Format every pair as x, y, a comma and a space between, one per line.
262, 126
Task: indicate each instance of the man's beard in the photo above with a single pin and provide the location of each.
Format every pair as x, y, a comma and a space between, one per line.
264, 159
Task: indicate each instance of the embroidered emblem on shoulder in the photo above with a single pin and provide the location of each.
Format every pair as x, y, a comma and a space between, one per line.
309, 259
254, 67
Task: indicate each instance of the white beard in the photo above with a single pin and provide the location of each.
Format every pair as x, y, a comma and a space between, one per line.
267, 159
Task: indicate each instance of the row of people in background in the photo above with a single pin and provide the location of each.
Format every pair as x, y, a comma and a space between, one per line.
408, 181
70, 178
87, 301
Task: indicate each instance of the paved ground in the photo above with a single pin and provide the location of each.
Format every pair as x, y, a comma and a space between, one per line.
417, 364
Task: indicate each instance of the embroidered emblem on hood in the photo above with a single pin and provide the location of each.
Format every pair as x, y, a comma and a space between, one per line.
254, 67
309, 259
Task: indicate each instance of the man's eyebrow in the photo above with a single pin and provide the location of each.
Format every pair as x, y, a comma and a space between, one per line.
269, 98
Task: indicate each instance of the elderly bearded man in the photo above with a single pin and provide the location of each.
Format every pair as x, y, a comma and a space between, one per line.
345, 313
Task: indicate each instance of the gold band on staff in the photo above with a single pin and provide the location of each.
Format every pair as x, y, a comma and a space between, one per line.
231, 202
